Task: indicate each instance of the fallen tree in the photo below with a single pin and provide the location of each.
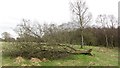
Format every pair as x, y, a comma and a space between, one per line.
73, 50
41, 50
86, 52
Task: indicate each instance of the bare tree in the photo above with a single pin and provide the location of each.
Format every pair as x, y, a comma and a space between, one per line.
81, 15
50, 30
26, 30
113, 24
113, 21
103, 21
6, 36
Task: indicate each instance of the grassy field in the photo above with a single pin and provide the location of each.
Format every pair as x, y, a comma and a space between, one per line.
101, 57
0, 54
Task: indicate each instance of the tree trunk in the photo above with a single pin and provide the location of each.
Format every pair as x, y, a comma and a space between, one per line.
72, 51
86, 52
106, 39
82, 40
112, 41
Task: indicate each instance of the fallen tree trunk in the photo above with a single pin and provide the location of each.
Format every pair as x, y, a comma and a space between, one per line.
86, 52
73, 50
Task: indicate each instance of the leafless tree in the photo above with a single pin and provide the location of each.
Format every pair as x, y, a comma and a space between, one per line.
26, 30
81, 15
113, 24
7, 37
113, 21
103, 21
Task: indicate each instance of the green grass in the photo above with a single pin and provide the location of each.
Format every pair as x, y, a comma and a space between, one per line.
102, 57
0, 54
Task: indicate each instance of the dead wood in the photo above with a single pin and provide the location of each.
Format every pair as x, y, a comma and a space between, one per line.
73, 50
86, 52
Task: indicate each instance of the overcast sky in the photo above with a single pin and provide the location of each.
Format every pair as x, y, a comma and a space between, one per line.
50, 11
